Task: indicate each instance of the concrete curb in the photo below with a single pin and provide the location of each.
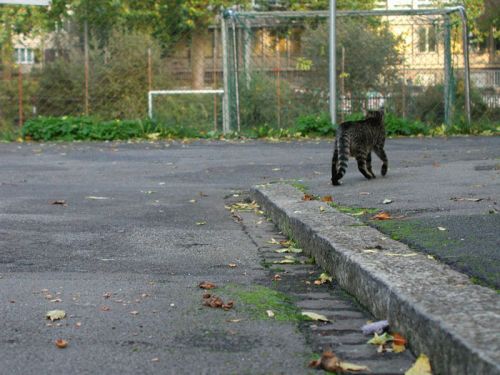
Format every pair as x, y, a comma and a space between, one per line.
444, 315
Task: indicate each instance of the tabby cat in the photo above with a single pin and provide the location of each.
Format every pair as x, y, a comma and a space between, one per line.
358, 139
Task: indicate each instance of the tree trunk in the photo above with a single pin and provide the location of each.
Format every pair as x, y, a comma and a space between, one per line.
198, 60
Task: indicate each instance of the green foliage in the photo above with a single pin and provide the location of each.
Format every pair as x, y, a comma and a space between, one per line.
319, 124
399, 126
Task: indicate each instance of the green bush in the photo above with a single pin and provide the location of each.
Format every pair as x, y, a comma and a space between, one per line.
319, 124
395, 125
85, 128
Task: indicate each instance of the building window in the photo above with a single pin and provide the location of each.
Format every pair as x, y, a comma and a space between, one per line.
427, 39
24, 56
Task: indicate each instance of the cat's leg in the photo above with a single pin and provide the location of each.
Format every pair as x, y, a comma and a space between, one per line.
335, 160
361, 159
385, 162
369, 164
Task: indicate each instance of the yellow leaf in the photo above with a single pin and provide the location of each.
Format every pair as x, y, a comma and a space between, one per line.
346, 366
380, 339
315, 316
422, 366
398, 348
55, 315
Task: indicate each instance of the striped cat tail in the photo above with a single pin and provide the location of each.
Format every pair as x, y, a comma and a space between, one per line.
342, 147
343, 153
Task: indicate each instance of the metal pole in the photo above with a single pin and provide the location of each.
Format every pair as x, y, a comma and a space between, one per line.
447, 71
20, 93
465, 41
226, 126
236, 84
333, 44
150, 105
86, 57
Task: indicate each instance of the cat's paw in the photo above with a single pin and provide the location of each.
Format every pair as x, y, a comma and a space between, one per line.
336, 183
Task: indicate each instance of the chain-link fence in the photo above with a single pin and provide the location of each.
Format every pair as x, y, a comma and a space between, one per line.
88, 66
276, 67
412, 64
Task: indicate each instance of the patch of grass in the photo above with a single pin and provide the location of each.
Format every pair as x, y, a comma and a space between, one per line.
355, 211
256, 300
300, 186
413, 230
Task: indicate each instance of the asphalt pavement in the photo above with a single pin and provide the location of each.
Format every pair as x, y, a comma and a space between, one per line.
143, 223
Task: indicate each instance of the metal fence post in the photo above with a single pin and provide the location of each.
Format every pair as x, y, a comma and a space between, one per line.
226, 126
448, 79
333, 63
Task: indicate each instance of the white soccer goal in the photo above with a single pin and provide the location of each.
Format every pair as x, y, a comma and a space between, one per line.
151, 94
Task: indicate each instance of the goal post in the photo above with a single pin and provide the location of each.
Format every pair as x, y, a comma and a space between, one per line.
153, 93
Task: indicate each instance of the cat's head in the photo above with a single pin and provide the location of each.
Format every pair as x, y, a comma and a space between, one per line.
376, 114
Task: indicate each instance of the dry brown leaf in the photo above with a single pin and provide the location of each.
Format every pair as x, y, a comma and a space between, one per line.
330, 362
232, 265
61, 344
308, 197
327, 198
207, 285
107, 295
382, 216
60, 202
277, 277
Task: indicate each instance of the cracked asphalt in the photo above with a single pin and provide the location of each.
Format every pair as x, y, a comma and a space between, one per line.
145, 222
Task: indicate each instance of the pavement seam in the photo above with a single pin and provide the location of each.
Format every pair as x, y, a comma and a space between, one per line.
438, 309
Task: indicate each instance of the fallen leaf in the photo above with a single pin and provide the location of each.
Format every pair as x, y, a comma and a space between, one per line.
289, 259
272, 241
232, 265
276, 277
105, 308
61, 344
398, 339
380, 339
308, 197
460, 199
96, 198
321, 209
330, 362
192, 201
398, 348
155, 359
327, 198
61, 202
270, 313
387, 201
134, 312
323, 278
276, 169
107, 295
404, 255
78, 324
382, 216
234, 320
55, 315
207, 285
422, 366
314, 316
56, 300
201, 223
441, 228
347, 366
